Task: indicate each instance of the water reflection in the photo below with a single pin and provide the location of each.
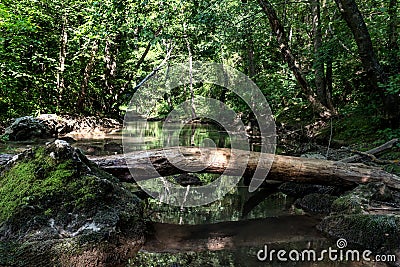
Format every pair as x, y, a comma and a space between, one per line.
229, 208
143, 136
150, 135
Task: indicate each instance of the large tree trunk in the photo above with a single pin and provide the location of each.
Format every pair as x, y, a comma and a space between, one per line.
110, 66
191, 89
110, 71
284, 168
354, 19
393, 100
139, 62
320, 82
376, 75
280, 34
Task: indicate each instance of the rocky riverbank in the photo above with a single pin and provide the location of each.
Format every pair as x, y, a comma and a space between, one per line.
59, 209
52, 125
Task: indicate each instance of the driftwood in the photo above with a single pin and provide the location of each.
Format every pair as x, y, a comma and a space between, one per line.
371, 152
284, 168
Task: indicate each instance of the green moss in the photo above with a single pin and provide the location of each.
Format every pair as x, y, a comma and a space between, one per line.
5, 137
316, 203
53, 191
42, 177
350, 204
14, 189
374, 232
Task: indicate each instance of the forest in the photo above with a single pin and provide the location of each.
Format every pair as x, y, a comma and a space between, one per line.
311, 59
69, 150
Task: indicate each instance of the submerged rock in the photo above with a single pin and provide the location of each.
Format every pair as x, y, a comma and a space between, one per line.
58, 208
302, 189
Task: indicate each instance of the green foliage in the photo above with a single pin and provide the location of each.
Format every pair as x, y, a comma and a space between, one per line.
114, 44
389, 133
393, 86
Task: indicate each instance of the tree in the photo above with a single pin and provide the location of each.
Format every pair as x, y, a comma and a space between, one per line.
377, 78
280, 34
322, 84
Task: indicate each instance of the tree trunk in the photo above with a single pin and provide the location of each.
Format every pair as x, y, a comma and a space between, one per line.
192, 107
250, 54
140, 61
328, 77
63, 53
392, 101
354, 19
284, 168
87, 74
319, 70
279, 32
393, 37
329, 59
110, 54
137, 66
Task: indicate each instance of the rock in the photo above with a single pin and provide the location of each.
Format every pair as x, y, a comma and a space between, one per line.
4, 158
26, 128
301, 189
313, 156
59, 209
378, 233
382, 193
53, 125
113, 147
186, 179
352, 219
358, 200
316, 203
68, 139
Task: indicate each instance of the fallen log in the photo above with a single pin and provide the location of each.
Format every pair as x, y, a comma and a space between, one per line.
284, 168
373, 151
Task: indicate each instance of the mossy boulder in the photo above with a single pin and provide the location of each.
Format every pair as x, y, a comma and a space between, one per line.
378, 233
25, 128
358, 200
316, 203
59, 209
352, 219
302, 189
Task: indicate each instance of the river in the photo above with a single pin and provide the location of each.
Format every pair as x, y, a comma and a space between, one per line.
228, 232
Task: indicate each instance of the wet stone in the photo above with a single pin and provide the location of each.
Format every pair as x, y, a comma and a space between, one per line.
59, 209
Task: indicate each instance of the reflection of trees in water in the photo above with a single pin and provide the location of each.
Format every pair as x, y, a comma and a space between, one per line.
237, 205
191, 134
